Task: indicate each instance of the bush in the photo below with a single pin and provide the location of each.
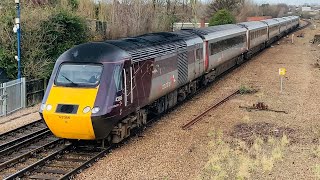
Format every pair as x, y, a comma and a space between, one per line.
64, 30
46, 33
222, 17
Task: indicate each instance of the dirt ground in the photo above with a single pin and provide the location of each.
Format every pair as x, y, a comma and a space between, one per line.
165, 151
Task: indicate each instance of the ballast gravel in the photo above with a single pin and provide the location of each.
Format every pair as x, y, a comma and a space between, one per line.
19, 118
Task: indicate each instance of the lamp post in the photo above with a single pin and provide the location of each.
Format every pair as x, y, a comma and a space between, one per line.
17, 29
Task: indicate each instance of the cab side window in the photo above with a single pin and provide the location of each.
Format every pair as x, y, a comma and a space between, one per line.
117, 76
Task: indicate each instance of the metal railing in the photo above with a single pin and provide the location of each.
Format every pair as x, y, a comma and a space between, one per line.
12, 96
35, 91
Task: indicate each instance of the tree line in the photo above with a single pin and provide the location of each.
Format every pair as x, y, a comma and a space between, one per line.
50, 27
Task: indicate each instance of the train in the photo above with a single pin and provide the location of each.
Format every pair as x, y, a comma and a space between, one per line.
104, 90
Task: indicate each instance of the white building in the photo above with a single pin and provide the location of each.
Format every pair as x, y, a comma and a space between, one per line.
306, 9
179, 26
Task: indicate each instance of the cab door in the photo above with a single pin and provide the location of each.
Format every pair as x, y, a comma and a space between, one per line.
128, 86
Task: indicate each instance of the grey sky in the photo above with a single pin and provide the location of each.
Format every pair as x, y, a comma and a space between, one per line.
291, 2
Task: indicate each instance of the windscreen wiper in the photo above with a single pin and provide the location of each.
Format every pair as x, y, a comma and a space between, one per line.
73, 83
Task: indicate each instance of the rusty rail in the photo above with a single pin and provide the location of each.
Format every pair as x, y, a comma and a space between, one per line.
199, 117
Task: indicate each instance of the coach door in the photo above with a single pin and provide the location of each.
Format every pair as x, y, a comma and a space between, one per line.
198, 63
128, 85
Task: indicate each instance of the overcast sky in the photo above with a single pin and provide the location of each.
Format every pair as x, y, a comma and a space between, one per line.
291, 2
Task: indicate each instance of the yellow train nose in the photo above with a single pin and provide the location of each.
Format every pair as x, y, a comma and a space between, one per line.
68, 116
69, 126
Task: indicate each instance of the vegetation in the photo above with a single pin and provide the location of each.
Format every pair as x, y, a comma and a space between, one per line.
222, 17
48, 26
247, 90
236, 159
51, 27
46, 33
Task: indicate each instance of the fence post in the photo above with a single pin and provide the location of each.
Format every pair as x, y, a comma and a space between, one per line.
44, 85
23, 92
4, 105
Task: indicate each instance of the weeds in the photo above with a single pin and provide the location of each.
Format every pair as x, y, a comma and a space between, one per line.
317, 170
247, 90
239, 160
316, 151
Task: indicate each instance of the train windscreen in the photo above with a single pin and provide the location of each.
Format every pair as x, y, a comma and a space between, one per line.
79, 75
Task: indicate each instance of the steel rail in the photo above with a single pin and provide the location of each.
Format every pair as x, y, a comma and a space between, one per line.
2, 136
85, 165
199, 117
23, 138
24, 157
39, 163
58, 156
25, 142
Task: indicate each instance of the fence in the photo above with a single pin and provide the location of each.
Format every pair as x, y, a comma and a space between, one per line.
35, 91
12, 96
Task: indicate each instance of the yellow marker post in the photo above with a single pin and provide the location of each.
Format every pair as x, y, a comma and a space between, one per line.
282, 72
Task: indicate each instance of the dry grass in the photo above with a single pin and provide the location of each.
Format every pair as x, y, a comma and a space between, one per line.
236, 159
316, 151
317, 170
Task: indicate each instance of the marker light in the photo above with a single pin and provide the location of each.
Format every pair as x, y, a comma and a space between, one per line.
95, 110
49, 107
86, 109
43, 107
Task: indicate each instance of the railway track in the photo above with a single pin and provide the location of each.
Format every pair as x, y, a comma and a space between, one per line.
23, 134
64, 163
304, 26
32, 151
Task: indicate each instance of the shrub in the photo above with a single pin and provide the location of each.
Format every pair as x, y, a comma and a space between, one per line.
46, 33
64, 30
222, 17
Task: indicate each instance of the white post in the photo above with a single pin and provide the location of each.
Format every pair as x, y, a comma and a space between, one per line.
282, 72
281, 84
292, 38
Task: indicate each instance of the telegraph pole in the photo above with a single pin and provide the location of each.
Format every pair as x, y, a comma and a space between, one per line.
17, 29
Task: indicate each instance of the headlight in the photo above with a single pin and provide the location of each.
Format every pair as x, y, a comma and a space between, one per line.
49, 107
86, 109
95, 110
43, 107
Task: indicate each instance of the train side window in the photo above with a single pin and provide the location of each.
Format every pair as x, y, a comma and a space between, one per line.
211, 47
117, 76
198, 54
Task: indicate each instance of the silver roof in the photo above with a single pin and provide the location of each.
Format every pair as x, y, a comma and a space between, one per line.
294, 17
219, 31
281, 20
253, 25
287, 18
270, 22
